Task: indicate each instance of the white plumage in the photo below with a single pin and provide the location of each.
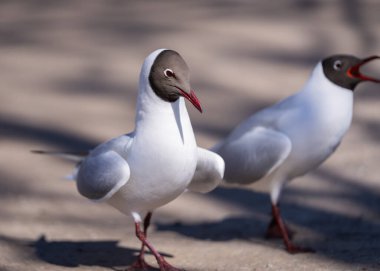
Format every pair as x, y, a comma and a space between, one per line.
143, 170
294, 136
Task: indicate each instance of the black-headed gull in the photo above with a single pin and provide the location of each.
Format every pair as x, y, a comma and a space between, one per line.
159, 160
296, 135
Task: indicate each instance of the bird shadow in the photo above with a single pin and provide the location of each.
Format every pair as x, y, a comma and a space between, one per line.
89, 253
331, 233
106, 253
257, 203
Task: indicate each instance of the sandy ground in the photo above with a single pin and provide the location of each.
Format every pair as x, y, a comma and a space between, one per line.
68, 72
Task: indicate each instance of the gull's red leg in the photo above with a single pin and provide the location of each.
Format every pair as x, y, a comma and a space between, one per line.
273, 230
140, 263
290, 247
163, 264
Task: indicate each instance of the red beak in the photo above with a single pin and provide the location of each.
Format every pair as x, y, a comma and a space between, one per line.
192, 98
354, 71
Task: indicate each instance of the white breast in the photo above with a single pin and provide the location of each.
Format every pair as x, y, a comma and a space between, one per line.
322, 117
162, 160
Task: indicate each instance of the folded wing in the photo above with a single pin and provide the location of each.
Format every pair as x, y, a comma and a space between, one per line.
209, 171
105, 170
254, 154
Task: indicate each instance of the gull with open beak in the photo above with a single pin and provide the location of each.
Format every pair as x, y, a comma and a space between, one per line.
296, 135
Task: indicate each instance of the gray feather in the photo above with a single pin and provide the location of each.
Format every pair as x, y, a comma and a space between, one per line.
70, 156
254, 155
100, 176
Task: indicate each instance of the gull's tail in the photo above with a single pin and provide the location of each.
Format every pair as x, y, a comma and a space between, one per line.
75, 157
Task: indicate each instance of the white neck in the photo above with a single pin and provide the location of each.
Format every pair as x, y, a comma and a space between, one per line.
329, 103
147, 101
319, 87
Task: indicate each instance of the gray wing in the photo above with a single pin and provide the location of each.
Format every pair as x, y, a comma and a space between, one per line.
253, 154
105, 170
209, 171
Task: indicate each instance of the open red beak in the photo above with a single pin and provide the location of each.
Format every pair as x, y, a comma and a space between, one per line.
192, 98
354, 71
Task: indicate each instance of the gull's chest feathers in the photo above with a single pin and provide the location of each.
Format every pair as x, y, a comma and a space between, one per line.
162, 159
322, 117
169, 148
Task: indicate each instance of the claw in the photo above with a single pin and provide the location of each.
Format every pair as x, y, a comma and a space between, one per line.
140, 264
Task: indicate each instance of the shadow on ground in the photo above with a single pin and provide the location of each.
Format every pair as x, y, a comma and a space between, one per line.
350, 239
335, 235
106, 253
88, 253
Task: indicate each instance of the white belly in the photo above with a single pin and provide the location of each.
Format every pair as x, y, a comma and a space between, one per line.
154, 188
159, 174
314, 140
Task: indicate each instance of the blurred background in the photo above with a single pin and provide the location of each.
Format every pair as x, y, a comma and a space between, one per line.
69, 74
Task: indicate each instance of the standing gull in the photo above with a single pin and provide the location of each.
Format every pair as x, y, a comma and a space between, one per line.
296, 135
151, 166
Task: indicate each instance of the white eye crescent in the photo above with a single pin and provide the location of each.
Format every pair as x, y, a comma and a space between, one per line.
338, 65
169, 73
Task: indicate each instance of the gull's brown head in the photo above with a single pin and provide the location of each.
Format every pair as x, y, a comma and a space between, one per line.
169, 78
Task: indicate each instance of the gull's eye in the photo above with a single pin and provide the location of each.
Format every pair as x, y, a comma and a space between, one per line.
169, 73
338, 65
